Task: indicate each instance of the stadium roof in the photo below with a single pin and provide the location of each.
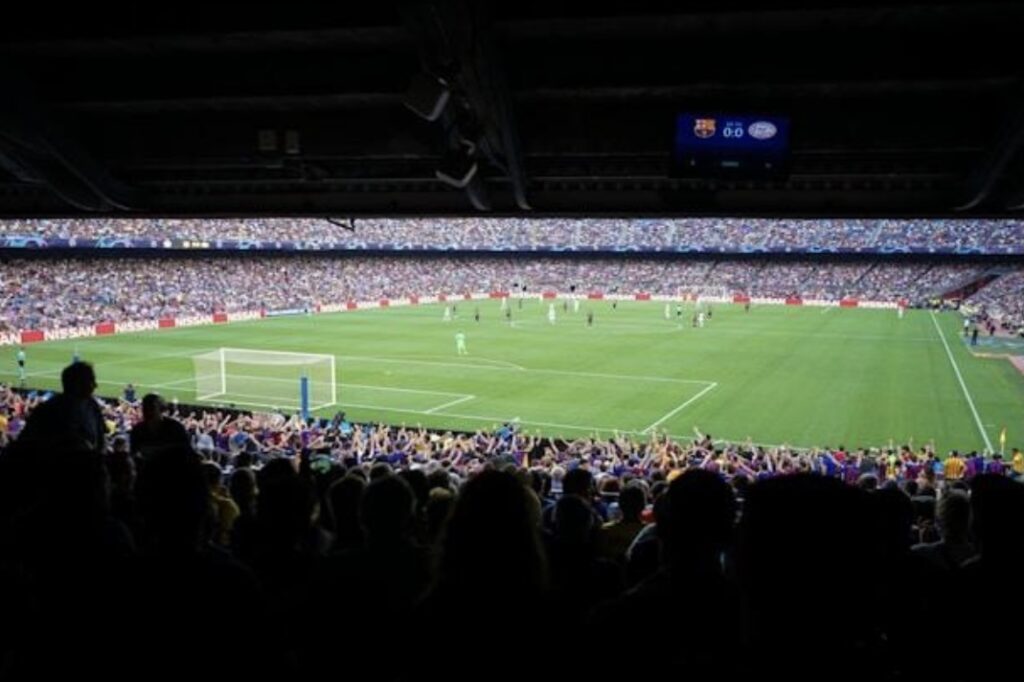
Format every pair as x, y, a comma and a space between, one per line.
895, 109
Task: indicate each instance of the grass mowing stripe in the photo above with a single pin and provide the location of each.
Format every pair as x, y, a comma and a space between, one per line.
785, 374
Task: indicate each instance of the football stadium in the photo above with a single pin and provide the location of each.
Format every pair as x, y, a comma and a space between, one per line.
487, 341
869, 354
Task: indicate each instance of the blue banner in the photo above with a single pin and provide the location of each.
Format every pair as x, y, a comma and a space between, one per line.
181, 245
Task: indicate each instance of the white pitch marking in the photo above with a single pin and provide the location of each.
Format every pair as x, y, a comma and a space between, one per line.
680, 408
963, 386
463, 399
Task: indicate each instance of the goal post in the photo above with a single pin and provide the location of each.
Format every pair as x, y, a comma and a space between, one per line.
223, 373
265, 378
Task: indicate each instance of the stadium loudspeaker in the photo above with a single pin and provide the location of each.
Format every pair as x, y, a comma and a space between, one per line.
427, 96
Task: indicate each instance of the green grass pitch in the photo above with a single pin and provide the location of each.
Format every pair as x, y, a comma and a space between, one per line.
798, 375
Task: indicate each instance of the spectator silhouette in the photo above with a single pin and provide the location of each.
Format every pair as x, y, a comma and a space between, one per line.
123, 507
643, 557
224, 511
343, 500
156, 431
242, 487
61, 553
899, 609
440, 478
438, 511
180, 574
579, 482
420, 486
493, 578
72, 420
617, 536
371, 590
690, 596
286, 534
807, 555
954, 547
997, 517
580, 578
924, 518
380, 470
283, 547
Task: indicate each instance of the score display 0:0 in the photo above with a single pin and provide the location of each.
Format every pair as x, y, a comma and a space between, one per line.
733, 130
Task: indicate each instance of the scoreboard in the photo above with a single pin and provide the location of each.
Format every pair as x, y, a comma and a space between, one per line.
730, 145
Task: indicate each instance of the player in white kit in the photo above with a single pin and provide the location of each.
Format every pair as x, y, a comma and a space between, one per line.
551, 313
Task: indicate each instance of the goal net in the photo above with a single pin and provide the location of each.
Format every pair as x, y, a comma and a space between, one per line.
265, 378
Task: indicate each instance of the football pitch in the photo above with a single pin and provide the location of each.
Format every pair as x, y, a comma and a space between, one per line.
803, 376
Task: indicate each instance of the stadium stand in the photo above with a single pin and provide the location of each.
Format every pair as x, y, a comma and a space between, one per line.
708, 235
359, 533
69, 293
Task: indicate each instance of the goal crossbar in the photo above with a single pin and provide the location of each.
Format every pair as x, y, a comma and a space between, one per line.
286, 378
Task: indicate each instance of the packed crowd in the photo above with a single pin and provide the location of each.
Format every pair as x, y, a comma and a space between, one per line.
137, 546
1003, 301
562, 234
48, 294
224, 435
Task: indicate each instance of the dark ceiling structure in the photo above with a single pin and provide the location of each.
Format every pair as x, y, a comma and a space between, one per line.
456, 107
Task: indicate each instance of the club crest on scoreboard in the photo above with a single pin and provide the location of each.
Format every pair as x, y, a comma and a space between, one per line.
704, 128
762, 130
